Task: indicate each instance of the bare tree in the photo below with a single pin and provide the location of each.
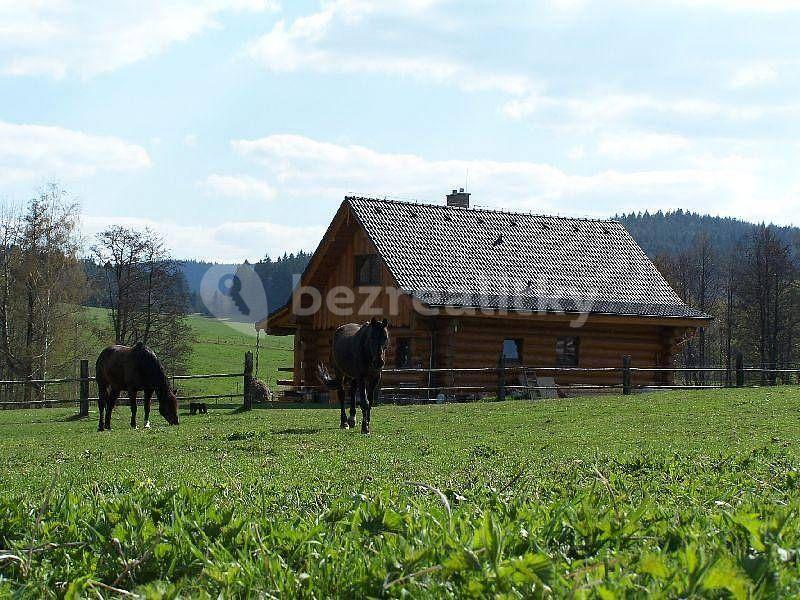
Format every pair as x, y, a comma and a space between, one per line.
145, 291
704, 266
42, 284
767, 291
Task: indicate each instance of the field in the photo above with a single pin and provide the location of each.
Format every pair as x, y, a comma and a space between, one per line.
676, 494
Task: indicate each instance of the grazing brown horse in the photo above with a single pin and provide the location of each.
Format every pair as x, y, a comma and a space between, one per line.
358, 353
133, 368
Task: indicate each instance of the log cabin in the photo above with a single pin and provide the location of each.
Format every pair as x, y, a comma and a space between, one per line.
467, 288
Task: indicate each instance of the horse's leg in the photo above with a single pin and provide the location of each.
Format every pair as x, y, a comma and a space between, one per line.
132, 397
355, 384
148, 396
102, 398
343, 420
111, 402
368, 399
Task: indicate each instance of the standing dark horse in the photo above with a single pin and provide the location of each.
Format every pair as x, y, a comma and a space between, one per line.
133, 368
358, 353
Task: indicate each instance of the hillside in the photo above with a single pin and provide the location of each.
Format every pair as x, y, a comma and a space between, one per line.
672, 232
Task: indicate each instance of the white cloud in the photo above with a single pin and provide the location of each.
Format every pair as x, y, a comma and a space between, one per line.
231, 241
302, 167
319, 42
743, 5
35, 152
576, 153
770, 6
67, 37
568, 5
238, 186
519, 108
300, 45
754, 74
615, 106
639, 145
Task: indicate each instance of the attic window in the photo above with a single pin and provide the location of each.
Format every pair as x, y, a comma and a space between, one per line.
481, 221
605, 230
412, 213
544, 225
575, 228
378, 210
498, 241
513, 222
367, 270
448, 217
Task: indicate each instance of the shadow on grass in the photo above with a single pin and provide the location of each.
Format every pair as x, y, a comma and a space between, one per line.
75, 417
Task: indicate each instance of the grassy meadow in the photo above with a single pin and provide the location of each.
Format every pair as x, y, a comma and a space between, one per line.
681, 494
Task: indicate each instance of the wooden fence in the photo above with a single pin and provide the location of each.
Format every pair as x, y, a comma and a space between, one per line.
85, 379
628, 379
528, 381
625, 379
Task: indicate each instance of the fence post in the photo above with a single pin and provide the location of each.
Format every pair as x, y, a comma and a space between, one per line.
501, 377
84, 389
248, 380
739, 370
626, 375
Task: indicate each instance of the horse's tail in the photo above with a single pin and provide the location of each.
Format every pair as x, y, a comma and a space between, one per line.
99, 374
332, 383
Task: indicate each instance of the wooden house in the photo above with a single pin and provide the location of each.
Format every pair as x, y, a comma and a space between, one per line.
461, 286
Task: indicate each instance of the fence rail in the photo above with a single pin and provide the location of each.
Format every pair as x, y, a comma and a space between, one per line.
499, 380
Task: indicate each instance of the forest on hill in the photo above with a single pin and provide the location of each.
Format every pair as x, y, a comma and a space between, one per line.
277, 276
669, 233
745, 275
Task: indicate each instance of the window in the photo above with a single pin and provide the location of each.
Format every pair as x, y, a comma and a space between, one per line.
567, 351
512, 350
368, 270
402, 353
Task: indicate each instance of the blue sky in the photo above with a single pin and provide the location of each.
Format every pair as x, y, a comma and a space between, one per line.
235, 127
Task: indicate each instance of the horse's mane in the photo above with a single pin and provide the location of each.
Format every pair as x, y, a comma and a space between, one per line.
151, 367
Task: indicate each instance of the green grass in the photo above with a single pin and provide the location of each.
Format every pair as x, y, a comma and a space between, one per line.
218, 347
676, 494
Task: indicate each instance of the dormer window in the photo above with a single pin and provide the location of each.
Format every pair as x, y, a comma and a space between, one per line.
367, 270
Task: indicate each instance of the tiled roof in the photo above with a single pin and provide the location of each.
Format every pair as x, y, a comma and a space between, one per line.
448, 256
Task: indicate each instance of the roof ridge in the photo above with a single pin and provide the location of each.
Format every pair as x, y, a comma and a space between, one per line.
478, 210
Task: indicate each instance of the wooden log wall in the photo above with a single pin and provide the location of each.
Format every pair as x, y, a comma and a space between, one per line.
468, 342
477, 342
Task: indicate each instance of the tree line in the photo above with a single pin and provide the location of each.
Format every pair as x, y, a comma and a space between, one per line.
751, 287
49, 272
276, 275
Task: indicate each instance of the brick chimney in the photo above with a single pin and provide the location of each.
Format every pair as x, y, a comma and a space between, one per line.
458, 198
